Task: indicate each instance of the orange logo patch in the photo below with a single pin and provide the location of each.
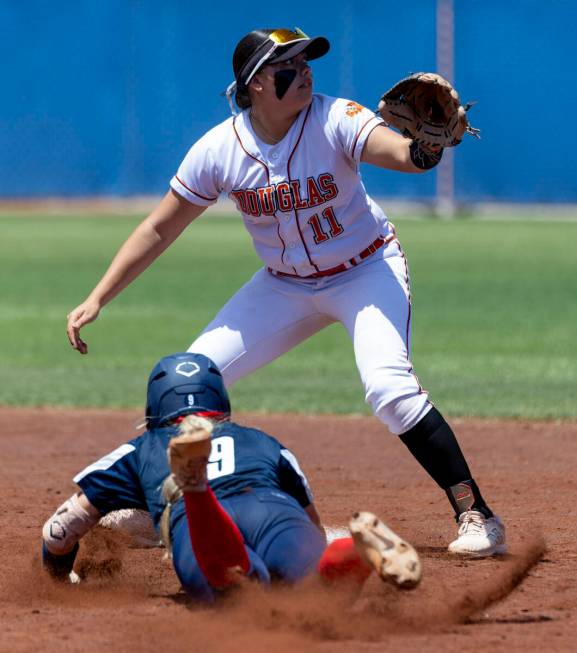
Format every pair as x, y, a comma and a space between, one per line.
353, 108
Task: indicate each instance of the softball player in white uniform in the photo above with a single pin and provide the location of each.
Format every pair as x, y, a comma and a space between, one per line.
290, 162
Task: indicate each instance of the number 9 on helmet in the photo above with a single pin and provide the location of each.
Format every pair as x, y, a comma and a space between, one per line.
183, 384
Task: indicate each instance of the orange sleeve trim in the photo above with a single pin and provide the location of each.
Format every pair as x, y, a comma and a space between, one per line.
203, 197
380, 122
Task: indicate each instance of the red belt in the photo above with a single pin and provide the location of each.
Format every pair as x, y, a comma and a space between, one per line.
351, 263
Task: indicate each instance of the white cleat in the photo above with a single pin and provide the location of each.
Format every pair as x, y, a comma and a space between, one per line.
479, 536
393, 559
188, 454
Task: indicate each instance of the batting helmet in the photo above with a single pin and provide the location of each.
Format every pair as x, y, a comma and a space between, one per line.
265, 46
181, 384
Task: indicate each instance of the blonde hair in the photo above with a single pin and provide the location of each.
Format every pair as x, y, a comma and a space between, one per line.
193, 424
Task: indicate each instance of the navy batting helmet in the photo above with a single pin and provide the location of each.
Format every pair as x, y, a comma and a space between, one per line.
181, 384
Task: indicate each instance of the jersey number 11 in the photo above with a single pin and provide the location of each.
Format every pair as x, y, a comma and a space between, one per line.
335, 228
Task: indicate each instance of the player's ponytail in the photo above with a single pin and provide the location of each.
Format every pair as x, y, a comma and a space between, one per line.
244, 52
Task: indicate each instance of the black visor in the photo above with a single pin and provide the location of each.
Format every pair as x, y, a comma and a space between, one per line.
280, 45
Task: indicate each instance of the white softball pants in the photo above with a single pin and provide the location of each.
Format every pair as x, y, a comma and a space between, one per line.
270, 315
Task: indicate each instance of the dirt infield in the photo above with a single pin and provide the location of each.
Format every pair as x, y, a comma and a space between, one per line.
130, 600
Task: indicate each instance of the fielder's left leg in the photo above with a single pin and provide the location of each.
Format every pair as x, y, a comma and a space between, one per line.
379, 324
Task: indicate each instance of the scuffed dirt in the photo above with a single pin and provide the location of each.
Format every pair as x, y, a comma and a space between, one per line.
130, 598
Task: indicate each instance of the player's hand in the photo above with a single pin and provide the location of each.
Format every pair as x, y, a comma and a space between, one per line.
84, 314
59, 567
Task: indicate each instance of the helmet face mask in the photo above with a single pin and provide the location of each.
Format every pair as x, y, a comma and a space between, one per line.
183, 384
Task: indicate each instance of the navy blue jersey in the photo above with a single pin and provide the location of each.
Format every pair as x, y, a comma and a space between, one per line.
131, 476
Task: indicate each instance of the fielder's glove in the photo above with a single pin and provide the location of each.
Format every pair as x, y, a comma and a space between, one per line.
426, 108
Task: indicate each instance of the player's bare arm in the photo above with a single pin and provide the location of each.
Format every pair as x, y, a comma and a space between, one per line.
144, 245
386, 148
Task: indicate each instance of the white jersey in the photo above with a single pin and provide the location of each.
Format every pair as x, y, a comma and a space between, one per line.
302, 199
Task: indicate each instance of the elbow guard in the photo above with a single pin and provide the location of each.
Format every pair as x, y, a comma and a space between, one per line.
67, 525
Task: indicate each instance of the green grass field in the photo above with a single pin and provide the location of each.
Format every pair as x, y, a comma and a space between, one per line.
494, 326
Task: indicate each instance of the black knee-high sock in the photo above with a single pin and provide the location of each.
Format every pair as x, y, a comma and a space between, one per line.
434, 445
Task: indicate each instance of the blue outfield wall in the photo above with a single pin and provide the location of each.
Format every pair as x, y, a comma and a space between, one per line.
104, 98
